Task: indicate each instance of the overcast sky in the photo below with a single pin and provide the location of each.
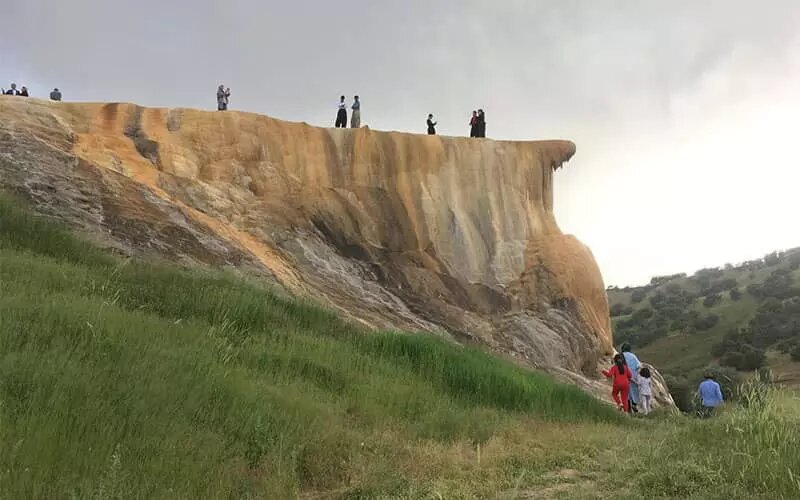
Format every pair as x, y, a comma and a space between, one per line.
685, 112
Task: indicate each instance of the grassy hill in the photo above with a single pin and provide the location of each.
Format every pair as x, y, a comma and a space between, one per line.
742, 317
136, 379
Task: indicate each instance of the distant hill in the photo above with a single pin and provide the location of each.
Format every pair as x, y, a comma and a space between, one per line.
738, 316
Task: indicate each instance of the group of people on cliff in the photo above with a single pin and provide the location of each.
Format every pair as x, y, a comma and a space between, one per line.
341, 113
55, 95
632, 385
477, 122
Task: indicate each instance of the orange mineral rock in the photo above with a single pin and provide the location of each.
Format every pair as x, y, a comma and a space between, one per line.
443, 234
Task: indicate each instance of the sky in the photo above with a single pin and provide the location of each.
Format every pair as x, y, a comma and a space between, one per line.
684, 112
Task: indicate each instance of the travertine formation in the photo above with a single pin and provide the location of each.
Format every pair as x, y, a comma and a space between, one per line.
449, 235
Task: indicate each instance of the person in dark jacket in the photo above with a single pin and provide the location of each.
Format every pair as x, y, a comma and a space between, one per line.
12, 91
223, 98
341, 114
23, 92
55, 95
473, 124
431, 125
481, 126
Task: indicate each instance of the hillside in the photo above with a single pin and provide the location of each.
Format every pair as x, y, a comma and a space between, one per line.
741, 316
446, 235
126, 378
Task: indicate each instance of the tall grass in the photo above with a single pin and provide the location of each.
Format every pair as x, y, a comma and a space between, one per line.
120, 376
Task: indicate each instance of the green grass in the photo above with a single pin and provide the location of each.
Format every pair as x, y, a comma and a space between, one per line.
198, 382
140, 379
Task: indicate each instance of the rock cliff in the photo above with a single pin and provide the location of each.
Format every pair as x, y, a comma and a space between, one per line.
454, 236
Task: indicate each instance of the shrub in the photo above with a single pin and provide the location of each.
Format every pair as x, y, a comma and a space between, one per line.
638, 296
642, 314
745, 359
620, 310
706, 322
735, 294
712, 300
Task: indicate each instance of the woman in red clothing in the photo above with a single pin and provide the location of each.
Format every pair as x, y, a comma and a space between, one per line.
621, 381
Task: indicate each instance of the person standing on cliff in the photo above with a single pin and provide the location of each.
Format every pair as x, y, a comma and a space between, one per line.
355, 119
473, 124
481, 126
55, 95
634, 364
341, 114
223, 96
431, 125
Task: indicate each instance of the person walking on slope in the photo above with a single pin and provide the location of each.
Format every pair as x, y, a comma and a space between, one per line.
645, 389
223, 97
355, 119
473, 124
620, 376
710, 395
481, 124
634, 364
55, 95
431, 125
341, 114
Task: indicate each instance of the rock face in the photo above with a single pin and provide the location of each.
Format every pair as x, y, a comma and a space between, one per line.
454, 236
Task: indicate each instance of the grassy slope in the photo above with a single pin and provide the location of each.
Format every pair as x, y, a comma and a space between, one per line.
135, 379
680, 352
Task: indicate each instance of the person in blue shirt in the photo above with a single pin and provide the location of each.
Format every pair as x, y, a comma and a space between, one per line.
710, 395
634, 364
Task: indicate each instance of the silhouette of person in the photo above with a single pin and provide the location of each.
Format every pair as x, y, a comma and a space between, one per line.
431, 125
473, 124
223, 96
355, 119
55, 95
23, 91
12, 91
481, 126
341, 114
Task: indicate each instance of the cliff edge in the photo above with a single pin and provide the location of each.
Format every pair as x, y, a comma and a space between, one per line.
454, 236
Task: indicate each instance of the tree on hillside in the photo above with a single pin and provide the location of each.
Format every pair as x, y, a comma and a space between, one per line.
638, 296
620, 310
712, 300
706, 322
747, 358
772, 259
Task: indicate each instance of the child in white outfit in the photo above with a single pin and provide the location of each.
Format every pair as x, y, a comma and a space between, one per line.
645, 389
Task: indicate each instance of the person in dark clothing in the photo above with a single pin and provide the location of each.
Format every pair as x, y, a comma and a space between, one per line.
431, 125
341, 115
473, 124
12, 91
481, 126
55, 95
23, 92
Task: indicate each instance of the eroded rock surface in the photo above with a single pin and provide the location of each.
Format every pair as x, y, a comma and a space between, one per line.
454, 236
